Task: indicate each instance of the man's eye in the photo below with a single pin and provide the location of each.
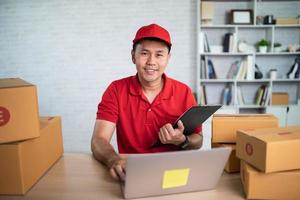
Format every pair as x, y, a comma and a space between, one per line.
160, 55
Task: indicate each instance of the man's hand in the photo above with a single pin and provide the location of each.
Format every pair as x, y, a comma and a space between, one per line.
117, 169
168, 135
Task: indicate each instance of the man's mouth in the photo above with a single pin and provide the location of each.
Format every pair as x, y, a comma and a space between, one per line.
150, 70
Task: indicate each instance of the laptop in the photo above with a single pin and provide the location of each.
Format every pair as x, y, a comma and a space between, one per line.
173, 172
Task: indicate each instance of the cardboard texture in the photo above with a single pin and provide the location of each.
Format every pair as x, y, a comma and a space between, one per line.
270, 150
19, 115
23, 163
287, 21
279, 185
280, 98
224, 126
233, 163
207, 10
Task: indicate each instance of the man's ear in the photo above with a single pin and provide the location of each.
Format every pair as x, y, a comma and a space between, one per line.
132, 56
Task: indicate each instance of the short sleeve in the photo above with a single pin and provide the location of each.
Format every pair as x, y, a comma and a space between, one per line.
108, 108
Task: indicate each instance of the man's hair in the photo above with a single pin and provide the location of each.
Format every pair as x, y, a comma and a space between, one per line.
151, 39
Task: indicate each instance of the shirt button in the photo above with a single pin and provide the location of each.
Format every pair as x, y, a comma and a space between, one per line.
149, 109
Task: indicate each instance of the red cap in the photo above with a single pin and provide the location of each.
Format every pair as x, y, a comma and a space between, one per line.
153, 31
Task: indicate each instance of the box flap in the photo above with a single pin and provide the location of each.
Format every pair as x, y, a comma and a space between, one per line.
275, 134
13, 82
242, 115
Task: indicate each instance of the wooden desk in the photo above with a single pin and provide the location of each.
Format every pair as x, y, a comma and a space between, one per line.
79, 176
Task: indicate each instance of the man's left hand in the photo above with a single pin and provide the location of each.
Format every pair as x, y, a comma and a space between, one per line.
168, 135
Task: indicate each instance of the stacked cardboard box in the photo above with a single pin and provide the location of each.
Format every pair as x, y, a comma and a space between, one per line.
225, 126
29, 144
270, 165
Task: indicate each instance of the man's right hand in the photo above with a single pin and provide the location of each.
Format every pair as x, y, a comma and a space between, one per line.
117, 169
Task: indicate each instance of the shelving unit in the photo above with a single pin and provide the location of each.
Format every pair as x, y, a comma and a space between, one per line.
250, 34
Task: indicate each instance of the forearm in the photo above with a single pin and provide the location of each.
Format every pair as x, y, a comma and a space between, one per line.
195, 141
104, 152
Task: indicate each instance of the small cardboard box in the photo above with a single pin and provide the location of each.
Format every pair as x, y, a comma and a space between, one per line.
224, 126
19, 116
233, 163
23, 163
287, 21
271, 149
280, 98
279, 185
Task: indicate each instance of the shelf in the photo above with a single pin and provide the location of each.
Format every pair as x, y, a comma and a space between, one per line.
217, 81
287, 80
218, 26
278, 53
220, 34
226, 54
250, 106
254, 81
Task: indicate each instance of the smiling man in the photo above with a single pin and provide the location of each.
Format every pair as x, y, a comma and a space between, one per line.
143, 107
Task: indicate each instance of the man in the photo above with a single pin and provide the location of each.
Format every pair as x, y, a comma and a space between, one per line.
143, 107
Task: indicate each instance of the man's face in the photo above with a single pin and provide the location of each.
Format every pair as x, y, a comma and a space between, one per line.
151, 58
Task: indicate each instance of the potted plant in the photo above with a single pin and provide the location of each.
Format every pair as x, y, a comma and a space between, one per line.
277, 47
263, 45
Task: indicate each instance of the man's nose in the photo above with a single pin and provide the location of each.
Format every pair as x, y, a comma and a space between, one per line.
151, 59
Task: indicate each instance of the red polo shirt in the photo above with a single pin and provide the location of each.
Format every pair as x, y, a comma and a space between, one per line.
137, 121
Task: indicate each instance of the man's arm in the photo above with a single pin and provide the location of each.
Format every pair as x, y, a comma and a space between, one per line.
168, 135
104, 152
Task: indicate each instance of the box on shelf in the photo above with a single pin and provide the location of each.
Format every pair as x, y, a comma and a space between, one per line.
19, 115
280, 98
270, 149
23, 163
279, 185
233, 163
287, 21
224, 126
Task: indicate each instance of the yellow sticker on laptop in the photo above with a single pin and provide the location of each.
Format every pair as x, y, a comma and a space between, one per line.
175, 178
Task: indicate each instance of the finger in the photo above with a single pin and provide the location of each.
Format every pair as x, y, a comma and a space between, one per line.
180, 125
161, 136
170, 130
120, 172
113, 174
166, 134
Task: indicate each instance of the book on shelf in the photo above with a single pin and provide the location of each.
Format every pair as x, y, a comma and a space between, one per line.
203, 100
240, 98
206, 43
233, 70
250, 68
207, 68
229, 42
262, 95
241, 75
227, 95
211, 70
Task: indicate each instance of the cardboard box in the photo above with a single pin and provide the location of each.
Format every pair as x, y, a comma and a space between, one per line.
224, 126
270, 150
280, 98
19, 116
279, 185
233, 163
23, 163
287, 21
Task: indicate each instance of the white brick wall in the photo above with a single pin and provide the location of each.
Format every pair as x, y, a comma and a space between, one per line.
73, 49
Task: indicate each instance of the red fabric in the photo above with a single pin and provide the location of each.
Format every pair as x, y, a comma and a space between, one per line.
137, 121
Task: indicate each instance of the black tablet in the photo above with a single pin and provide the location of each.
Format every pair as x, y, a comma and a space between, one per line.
193, 118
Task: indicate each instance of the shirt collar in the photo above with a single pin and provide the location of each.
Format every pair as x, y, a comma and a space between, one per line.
135, 87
